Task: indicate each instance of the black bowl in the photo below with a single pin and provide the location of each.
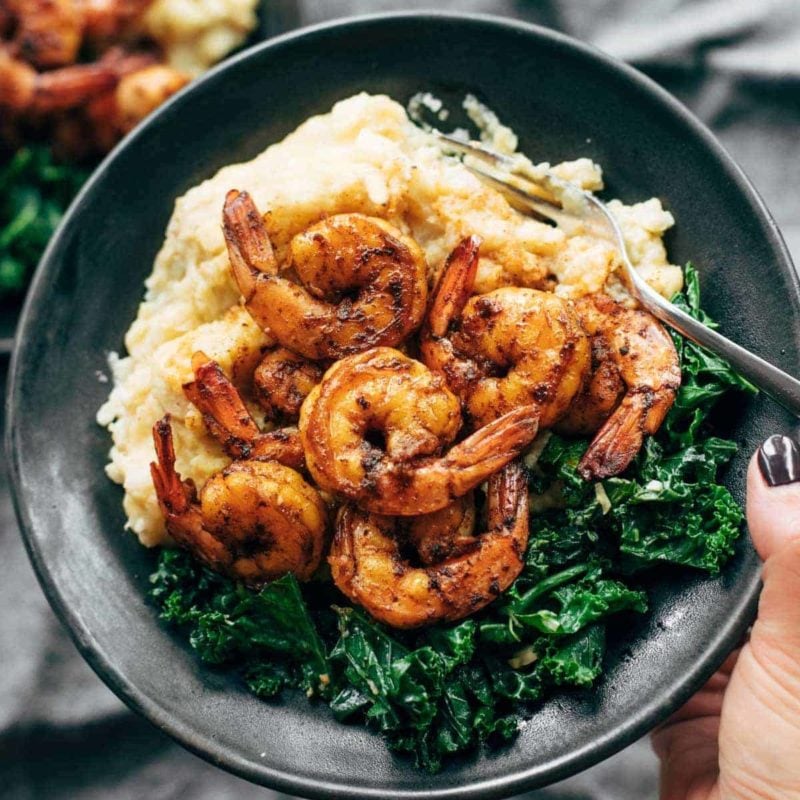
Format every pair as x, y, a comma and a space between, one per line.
566, 100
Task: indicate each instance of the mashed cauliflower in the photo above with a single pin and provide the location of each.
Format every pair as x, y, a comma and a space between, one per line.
195, 34
364, 156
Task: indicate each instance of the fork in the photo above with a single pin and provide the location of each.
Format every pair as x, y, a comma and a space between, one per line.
548, 197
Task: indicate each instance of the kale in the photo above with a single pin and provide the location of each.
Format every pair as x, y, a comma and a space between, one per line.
34, 192
270, 633
578, 604
705, 377
431, 699
449, 688
575, 660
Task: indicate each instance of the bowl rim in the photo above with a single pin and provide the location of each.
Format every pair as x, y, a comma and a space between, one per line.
638, 723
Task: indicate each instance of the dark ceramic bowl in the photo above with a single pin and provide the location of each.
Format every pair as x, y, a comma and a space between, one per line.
565, 100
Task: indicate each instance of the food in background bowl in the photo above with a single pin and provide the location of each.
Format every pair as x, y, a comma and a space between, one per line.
82, 73
77, 75
496, 593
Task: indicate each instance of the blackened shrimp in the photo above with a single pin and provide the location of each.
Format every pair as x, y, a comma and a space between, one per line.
363, 282
374, 431
254, 521
24, 90
104, 20
227, 419
282, 381
140, 91
47, 33
635, 377
368, 567
504, 349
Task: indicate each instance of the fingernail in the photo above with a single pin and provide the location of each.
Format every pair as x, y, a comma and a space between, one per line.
779, 460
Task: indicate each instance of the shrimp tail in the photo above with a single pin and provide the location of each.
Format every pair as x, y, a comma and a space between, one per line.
491, 448
507, 499
618, 441
249, 248
70, 87
177, 501
22, 88
224, 413
227, 419
174, 498
455, 285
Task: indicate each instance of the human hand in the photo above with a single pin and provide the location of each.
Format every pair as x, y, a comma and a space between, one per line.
739, 736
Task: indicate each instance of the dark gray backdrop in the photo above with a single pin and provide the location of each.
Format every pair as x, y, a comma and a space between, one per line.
736, 64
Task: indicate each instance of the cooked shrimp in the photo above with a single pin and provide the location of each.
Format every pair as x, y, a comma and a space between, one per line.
143, 91
374, 429
635, 377
24, 90
333, 259
231, 424
444, 534
367, 566
48, 32
109, 19
505, 349
282, 381
254, 521
139, 92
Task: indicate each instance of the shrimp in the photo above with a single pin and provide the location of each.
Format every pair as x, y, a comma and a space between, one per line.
48, 32
367, 566
24, 90
282, 381
140, 91
254, 521
635, 377
373, 431
335, 259
104, 20
227, 419
504, 349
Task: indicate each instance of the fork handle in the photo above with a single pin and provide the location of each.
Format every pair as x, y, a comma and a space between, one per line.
780, 386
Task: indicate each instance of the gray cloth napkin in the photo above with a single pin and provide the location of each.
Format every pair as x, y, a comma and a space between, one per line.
736, 64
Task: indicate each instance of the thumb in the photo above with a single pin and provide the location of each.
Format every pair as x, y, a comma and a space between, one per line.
773, 516
759, 736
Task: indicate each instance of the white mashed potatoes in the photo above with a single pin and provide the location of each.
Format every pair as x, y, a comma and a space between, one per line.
195, 34
364, 156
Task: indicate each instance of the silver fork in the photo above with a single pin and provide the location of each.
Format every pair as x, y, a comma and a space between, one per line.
550, 198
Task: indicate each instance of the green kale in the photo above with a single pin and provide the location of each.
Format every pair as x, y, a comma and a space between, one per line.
34, 192
269, 634
705, 377
575, 605
575, 660
431, 699
700, 533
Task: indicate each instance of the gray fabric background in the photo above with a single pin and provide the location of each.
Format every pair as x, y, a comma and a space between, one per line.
736, 64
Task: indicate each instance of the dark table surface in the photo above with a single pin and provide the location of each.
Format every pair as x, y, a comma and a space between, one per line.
735, 63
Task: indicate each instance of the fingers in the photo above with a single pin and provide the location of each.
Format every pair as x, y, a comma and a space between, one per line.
686, 744
760, 727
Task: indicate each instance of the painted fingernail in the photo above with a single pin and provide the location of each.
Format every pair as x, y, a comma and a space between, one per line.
779, 460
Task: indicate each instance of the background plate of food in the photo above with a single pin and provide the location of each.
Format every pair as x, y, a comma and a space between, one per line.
632, 579
75, 77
